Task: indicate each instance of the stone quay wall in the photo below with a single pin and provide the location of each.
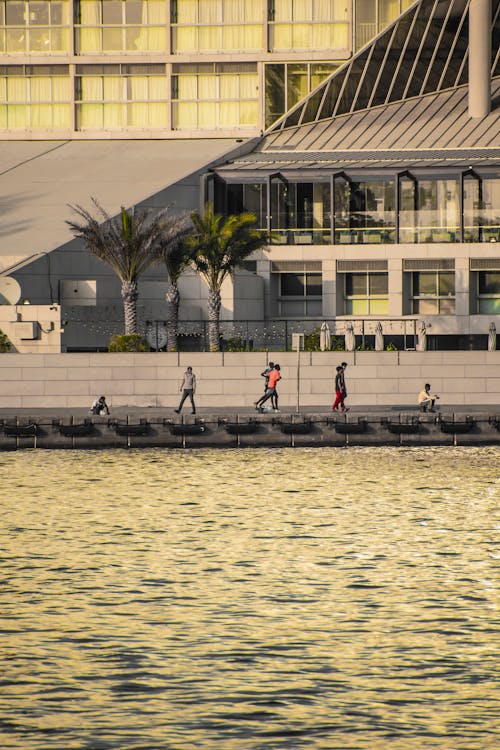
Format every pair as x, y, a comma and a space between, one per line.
381, 379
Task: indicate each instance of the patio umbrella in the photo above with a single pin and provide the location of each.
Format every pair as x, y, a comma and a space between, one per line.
422, 337
492, 338
325, 339
379, 338
350, 339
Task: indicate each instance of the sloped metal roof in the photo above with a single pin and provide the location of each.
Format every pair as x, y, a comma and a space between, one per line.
434, 129
423, 51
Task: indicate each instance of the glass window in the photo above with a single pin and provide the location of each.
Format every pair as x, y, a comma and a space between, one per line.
308, 24
112, 11
235, 198
38, 100
229, 93
314, 284
299, 294
300, 212
366, 293
364, 211
429, 210
288, 83
121, 25
356, 284
292, 285
215, 25
35, 26
433, 292
488, 292
132, 96
481, 209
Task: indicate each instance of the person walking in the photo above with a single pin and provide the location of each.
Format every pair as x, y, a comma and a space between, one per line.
343, 388
271, 392
188, 388
426, 399
265, 374
340, 389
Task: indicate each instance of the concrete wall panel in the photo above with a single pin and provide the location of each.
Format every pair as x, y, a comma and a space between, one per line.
12, 373
68, 388
135, 379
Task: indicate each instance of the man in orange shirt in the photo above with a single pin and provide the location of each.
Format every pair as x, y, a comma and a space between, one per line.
271, 391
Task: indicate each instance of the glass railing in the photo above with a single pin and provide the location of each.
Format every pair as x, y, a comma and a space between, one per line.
377, 235
365, 235
301, 236
422, 234
482, 226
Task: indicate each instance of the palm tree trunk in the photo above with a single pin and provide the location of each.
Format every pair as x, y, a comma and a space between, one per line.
214, 305
129, 296
172, 298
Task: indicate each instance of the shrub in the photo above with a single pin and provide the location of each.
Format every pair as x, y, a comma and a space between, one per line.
312, 339
235, 344
130, 342
5, 343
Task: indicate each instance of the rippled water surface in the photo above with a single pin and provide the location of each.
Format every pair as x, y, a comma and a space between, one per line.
249, 600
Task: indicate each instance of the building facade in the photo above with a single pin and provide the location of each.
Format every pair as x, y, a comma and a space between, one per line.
379, 189
170, 68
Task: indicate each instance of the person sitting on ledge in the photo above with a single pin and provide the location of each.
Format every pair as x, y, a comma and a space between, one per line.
426, 399
99, 406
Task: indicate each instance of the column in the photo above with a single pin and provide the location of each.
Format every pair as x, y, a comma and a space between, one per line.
479, 58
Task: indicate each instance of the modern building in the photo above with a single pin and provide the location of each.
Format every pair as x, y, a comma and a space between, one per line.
170, 68
380, 183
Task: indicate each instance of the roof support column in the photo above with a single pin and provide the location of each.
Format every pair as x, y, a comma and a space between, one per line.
479, 58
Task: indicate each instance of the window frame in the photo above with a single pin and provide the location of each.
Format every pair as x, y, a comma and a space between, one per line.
488, 296
305, 298
370, 299
438, 299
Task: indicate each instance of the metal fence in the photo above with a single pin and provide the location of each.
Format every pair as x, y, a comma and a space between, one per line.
277, 335
93, 329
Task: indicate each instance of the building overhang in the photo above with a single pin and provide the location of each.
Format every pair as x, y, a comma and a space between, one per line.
40, 179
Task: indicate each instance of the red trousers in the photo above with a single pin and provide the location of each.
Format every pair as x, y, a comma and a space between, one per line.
339, 400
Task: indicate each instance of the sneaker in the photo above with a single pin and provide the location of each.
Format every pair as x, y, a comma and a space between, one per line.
177, 411
193, 412
276, 410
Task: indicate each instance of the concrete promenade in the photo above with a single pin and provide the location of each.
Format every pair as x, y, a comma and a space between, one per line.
136, 427
45, 400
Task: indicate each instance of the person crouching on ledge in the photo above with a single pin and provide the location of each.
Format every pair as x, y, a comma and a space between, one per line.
426, 399
99, 406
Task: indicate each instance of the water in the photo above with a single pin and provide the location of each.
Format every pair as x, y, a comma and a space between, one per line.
327, 599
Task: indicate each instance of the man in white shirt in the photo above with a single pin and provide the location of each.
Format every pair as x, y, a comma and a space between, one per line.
188, 388
426, 399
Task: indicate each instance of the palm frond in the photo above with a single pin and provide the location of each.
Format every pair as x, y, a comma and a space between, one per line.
126, 242
223, 243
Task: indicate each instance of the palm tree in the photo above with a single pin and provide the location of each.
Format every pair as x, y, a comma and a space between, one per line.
221, 243
128, 243
177, 256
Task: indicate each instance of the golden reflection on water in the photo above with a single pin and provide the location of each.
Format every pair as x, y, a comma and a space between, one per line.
328, 599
